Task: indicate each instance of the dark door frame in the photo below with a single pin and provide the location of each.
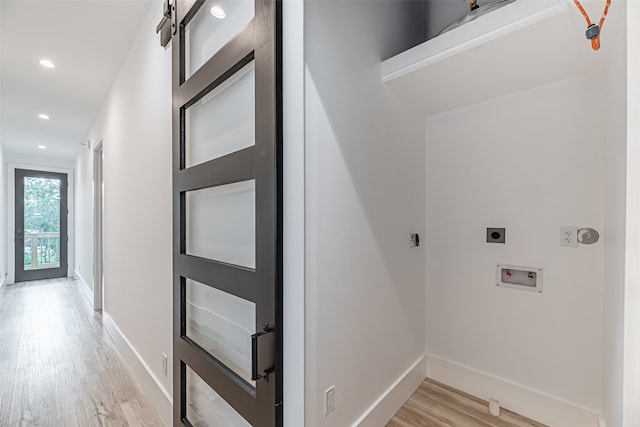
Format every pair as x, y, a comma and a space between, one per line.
21, 274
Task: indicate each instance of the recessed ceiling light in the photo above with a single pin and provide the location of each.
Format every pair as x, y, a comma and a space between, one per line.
42, 147
47, 63
218, 12
44, 116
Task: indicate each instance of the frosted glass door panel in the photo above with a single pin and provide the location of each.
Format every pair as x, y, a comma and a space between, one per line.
215, 23
223, 121
206, 408
221, 223
222, 324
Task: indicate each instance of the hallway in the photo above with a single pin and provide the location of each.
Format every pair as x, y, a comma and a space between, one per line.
58, 366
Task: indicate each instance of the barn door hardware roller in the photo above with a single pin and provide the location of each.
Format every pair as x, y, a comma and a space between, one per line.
166, 24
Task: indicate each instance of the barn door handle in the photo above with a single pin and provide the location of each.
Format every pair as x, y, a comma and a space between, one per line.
255, 376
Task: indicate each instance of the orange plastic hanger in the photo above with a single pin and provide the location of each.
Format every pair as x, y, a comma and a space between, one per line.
593, 30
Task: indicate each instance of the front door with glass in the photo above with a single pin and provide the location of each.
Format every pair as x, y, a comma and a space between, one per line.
40, 225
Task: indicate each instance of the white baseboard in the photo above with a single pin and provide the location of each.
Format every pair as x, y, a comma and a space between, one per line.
394, 397
536, 405
84, 287
2, 280
145, 378
602, 422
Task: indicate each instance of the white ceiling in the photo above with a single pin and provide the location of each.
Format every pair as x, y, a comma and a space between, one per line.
87, 40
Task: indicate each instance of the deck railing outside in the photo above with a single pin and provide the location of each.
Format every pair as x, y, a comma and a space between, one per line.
41, 250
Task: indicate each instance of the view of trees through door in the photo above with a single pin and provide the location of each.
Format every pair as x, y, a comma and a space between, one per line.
41, 225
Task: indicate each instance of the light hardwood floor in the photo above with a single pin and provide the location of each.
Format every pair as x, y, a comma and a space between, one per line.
437, 405
58, 367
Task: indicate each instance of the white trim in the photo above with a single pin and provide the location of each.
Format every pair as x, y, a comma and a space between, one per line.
84, 288
293, 70
2, 280
493, 26
98, 225
601, 421
11, 214
385, 407
144, 377
537, 405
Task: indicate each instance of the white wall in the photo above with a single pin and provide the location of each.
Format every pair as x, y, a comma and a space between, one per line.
135, 127
3, 223
530, 162
632, 287
364, 190
293, 211
36, 160
615, 45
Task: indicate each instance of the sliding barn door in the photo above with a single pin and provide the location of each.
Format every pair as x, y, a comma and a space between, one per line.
227, 194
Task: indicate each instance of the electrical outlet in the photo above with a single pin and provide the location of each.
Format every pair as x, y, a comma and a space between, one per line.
164, 364
330, 400
569, 236
496, 235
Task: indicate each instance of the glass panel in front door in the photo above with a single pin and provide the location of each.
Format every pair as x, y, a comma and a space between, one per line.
215, 23
223, 121
205, 407
222, 324
221, 223
41, 223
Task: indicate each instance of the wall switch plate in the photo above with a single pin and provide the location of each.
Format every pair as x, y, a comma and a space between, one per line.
330, 400
569, 236
496, 235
